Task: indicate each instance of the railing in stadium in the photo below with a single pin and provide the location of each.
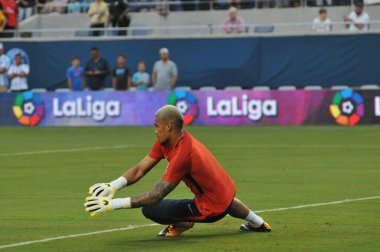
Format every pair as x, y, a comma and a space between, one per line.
178, 5
189, 31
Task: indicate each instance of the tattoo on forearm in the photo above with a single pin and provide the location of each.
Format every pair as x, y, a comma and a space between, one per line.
159, 191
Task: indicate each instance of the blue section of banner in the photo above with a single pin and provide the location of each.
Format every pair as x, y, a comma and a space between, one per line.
272, 61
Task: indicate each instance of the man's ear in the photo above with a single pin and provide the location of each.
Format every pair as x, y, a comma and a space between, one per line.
169, 126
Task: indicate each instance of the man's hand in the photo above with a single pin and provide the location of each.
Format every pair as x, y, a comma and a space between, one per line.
102, 190
98, 205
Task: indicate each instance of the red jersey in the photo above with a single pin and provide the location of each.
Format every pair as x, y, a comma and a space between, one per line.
10, 9
191, 162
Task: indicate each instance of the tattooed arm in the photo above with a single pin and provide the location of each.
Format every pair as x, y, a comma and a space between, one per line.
158, 192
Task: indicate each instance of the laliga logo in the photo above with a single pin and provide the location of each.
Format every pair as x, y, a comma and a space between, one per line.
28, 108
88, 107
186, 102
347, 107
253, 109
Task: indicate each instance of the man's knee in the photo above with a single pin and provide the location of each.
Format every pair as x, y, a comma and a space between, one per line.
147, 212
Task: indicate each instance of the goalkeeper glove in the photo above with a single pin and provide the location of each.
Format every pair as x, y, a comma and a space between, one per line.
107, 189
98, 205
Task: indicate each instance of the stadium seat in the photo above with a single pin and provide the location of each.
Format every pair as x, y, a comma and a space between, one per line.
233, 88
62, 90
287, 88
39, 90
187, 88
207, 88
109, 89
338, 87
312, 88
261, 88
369, 87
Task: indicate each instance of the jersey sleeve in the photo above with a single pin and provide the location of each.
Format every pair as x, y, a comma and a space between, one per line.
177, 168
156, 152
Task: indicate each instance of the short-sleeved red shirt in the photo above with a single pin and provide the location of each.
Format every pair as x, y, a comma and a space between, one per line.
193, 163
10, 8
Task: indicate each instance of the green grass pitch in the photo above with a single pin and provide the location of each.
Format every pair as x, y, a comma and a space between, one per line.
42, 193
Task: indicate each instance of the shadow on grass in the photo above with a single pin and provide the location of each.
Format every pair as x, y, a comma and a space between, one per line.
156, 242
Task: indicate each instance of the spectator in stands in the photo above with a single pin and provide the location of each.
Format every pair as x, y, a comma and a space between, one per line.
164, 72
121, 76
322, 23
50, 7
10, 9
75, 75
358, 20
141, 78
3, 21
26, 9
96, 70
98, 12
86, 5
119, 10
17, 74
4, 65
73, 7
233, 24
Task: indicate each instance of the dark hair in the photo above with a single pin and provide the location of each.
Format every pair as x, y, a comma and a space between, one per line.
322, 11
18, 55
95, 49
121, 55
74, 58
358, 4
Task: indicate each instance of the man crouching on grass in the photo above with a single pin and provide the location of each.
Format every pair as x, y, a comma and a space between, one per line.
189, 161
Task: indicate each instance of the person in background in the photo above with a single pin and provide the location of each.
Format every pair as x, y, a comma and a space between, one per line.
165, 72
141, 78
10, 9
322, 23
73, 7
17, 74
119, 10
86, 5
98, 13
50, 7
96, 70
26, 9
75, 75
121, 77
4, 65
233, 24
3, 21
358, 20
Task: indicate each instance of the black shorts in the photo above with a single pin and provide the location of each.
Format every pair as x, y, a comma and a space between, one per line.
172, 211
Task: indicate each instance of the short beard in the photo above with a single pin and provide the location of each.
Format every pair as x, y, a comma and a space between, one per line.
164, 143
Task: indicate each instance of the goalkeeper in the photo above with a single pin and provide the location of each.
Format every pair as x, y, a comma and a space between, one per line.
189, 161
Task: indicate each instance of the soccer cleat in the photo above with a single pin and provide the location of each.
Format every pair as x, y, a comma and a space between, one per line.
176, 230
249, 228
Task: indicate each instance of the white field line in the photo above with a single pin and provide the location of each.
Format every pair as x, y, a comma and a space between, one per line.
69, 150
238, 146
130, 227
